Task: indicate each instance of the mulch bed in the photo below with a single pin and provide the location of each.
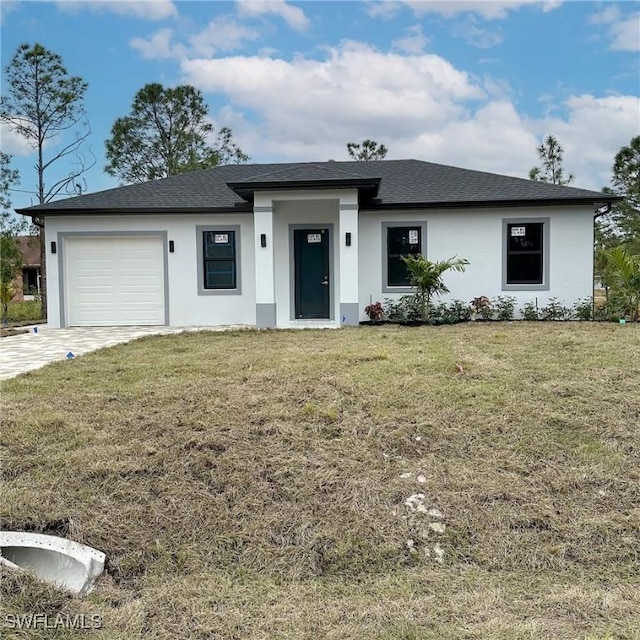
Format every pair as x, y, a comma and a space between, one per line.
10, 331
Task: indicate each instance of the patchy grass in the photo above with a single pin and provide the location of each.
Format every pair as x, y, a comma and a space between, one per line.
248, 484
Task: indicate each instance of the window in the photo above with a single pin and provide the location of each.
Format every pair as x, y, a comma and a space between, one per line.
401, 241
526, 254
218, 260
30, 280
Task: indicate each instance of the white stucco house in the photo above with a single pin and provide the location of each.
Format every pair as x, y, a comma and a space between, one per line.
307, 244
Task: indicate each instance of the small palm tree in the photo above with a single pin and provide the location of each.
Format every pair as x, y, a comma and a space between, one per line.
7, 291
623, 272
426, 277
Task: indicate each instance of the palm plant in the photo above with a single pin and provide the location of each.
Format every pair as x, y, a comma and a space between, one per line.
7, 291
623, 273
426, 277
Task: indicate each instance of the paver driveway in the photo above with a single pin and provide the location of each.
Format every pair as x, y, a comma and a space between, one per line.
32, 350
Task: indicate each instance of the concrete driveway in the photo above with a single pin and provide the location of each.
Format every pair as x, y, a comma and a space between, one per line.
42, 345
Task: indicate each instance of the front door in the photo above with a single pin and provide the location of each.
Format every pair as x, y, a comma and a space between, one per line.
311, 260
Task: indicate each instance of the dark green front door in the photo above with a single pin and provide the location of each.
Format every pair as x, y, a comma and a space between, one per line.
311, 260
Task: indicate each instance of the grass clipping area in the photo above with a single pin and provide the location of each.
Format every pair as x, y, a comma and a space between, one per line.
339, 484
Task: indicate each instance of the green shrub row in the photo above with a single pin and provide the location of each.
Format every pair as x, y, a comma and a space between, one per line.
407, 310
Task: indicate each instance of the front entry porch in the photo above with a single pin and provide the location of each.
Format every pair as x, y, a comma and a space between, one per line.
306, 259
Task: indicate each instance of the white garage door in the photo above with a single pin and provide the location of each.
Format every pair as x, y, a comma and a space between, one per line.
112, 281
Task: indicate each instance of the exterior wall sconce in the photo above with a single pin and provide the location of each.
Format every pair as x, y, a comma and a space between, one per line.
263, 239
54, 248
172, 246
347, 238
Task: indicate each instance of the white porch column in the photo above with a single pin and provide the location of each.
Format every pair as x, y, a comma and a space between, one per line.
348, 242
264, 260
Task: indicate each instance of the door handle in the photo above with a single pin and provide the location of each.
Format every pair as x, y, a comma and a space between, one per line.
325, 281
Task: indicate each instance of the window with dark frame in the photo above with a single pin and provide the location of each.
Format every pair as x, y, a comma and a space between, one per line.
219, 257
525, 253
401, 241
30, 280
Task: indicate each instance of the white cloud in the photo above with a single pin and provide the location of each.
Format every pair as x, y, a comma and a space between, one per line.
606, 16
158, 46
490, 10
622, 31
494, 138
293, 16
13, 143
593, 131
7, 7
625, 34
145, 9
307, 99
413, 42
385, 9
222, 34
477, 36
419, 106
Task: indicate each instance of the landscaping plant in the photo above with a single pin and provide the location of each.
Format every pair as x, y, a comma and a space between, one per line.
555, 310
482, 307
505, 307
530, 311
375, 311
426, 276
583, 309
623, 270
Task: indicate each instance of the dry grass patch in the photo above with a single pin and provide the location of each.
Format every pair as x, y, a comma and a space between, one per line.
248, 484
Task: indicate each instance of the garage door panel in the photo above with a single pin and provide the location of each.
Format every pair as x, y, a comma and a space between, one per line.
113, 281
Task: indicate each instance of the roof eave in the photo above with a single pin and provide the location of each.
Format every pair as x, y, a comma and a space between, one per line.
241, 207
246, 189
458, 204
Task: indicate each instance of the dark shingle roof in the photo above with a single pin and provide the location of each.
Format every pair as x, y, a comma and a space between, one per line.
402, 183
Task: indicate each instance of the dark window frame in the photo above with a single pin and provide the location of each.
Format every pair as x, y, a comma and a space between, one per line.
203, 260
210, 242
421, 226
544, 251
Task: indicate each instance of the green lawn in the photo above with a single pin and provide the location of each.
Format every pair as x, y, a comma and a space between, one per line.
249, 484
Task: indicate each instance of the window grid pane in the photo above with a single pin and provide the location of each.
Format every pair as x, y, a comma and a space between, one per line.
524, 253
401, 241
219, 260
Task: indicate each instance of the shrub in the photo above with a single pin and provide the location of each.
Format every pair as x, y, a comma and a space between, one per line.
554, 310
530, 311
461, 310
583, 309
481, 306
505, 307
611, 311
441, 315
375, 312
405, 309
450, 313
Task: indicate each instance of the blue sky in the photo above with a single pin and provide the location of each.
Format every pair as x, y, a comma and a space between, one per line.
473, 84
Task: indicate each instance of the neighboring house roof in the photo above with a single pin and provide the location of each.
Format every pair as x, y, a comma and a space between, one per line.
30, 250
383, 184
